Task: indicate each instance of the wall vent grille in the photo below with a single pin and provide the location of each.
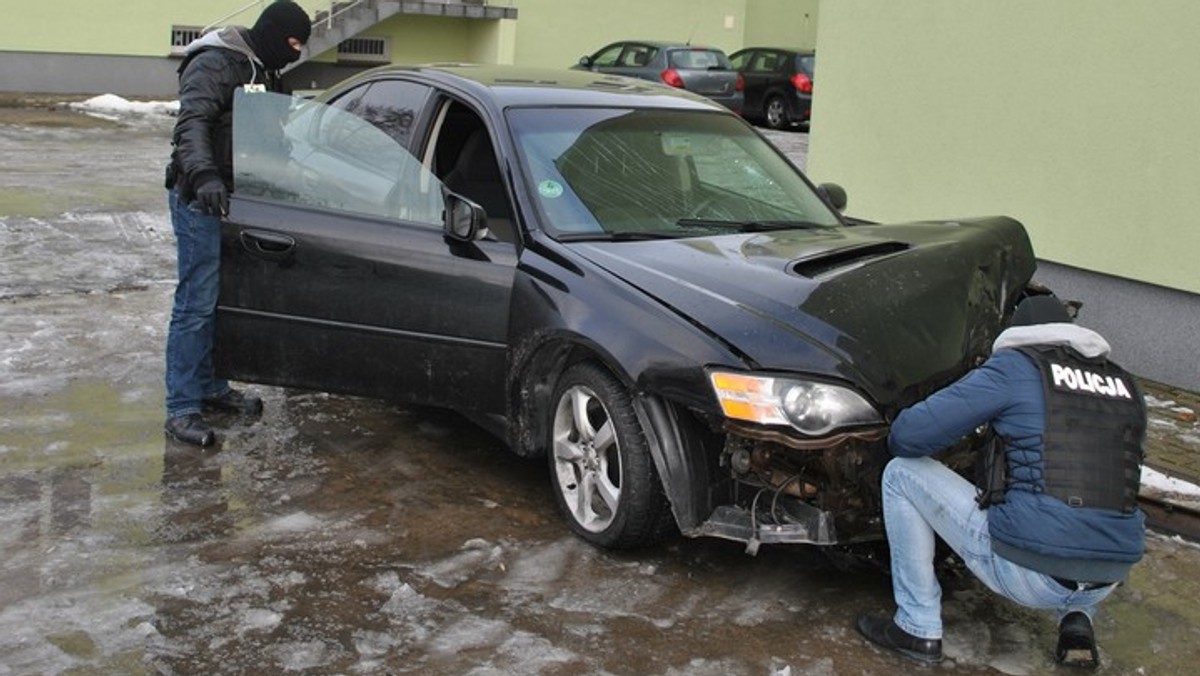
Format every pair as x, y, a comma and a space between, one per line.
182, 36
369, 50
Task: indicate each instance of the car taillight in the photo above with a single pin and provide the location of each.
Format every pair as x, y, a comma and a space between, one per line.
802, 83
741, 83
671, 76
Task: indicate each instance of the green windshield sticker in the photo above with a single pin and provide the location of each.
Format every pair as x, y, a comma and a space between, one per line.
550, 189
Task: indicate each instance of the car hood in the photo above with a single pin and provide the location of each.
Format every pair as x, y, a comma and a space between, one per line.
896, 310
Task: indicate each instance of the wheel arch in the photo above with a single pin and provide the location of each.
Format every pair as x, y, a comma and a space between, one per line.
532, 378
683, 448
685, 454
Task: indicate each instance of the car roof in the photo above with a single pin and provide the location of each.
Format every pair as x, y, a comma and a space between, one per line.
792, 50
508, 86
664, 44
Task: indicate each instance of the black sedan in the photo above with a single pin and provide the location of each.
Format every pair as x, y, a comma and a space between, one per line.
622, 277
778, 85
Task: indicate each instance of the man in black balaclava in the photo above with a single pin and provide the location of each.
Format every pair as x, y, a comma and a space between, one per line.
273, 34
199, 179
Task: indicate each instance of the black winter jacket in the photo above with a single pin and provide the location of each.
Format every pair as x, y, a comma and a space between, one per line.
214, 67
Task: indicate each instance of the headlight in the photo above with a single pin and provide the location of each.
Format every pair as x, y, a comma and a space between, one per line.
811, 407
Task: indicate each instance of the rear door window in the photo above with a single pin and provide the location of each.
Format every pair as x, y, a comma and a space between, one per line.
636, 56
767, 62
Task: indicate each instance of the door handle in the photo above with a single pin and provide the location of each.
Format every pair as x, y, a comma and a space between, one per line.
269, 245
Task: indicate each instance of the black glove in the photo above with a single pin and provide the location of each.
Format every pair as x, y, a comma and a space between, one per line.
213, 197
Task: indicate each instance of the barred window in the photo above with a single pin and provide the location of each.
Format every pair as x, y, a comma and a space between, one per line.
182, 36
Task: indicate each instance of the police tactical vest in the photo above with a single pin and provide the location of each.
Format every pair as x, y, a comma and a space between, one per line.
1095, 429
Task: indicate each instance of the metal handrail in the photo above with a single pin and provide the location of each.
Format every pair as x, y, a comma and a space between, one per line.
227, 17
327, 20
349, 5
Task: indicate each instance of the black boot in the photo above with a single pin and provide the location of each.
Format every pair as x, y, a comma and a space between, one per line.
1077, 642
885, 633
190, 429
234, 401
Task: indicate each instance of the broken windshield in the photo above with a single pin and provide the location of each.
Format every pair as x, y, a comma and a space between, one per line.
603, 170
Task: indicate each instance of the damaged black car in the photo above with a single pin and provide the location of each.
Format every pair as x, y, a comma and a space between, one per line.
624, 278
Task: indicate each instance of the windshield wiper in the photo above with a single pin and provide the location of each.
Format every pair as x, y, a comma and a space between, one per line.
747, 226
624, 236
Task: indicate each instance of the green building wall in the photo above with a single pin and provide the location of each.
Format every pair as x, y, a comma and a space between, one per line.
122, 27
1080, 118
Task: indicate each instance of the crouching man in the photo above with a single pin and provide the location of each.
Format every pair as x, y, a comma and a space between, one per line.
1059, 527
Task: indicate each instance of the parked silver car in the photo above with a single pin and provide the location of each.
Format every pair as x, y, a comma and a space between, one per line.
703, 70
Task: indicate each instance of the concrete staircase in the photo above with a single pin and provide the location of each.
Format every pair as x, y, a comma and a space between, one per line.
346, 19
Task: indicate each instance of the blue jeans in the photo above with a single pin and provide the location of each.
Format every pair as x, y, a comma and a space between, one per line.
921, 496
193, 318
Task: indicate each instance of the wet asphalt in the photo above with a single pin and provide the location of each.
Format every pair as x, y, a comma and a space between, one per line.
335, 535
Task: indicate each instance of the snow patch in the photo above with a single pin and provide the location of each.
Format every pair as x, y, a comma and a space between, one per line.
1154, 479
111, 106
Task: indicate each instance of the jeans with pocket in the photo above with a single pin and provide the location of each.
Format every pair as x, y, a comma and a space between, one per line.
193, 317
921, 497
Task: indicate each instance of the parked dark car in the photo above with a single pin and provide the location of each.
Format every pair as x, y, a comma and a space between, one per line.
778, 85
624, 278
704, 70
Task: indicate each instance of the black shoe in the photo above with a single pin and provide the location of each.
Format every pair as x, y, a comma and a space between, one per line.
883, 632
1077, 642
190, 429
234, 401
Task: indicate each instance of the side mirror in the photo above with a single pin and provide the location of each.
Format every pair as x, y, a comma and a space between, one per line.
834, 195
585, 61
462, 220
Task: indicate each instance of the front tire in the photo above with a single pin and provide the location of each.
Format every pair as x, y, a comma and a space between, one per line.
604, 479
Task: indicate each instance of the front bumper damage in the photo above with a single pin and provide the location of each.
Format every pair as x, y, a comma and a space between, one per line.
793, 491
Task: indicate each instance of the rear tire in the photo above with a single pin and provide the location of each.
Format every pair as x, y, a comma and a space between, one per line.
603, 476
775, 113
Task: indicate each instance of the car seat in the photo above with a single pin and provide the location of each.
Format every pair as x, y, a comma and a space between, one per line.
476, 176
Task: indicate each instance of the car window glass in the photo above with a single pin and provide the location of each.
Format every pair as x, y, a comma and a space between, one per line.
738, 61
636, 56
311, 154
392, 106
348, 99
698, 59
643, 171
766, 62
807, 64
464, 158
607, 57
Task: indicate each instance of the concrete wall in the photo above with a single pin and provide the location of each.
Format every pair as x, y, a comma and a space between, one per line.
1077, 117
125, 27
782, 23
1080, 118
130, 76
1152, 329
